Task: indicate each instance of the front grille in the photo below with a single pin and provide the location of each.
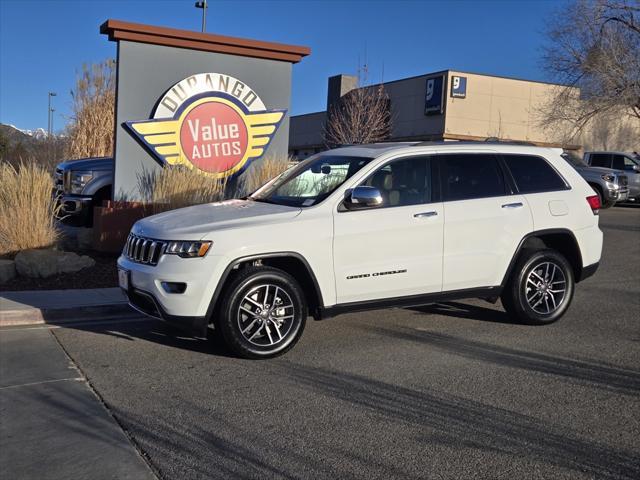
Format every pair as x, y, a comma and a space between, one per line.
143, 250
58, 184
623, 181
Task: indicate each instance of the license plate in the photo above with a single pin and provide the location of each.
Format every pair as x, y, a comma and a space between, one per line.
123, 279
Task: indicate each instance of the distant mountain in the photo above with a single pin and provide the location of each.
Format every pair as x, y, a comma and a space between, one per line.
38, 133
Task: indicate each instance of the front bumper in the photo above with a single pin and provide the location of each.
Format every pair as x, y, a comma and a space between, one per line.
74, 206
146, 303
188, 310
618, 195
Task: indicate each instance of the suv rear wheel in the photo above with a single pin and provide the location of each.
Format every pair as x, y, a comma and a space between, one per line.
263, 314
540, 288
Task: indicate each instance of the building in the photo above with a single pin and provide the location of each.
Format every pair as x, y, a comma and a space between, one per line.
447, 105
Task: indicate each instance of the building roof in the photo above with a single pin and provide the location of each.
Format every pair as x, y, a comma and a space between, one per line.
172, 37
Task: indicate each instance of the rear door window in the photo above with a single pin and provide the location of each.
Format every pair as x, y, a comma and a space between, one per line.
600, 160
622, 162
466, 176
533, 174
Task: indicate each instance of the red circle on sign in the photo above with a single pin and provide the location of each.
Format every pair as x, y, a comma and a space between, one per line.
213, 137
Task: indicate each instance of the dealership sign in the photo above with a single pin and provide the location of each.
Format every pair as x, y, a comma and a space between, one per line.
210, 122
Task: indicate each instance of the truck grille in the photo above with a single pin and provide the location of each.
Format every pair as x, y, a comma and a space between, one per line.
58, 183
143, 250
623, 181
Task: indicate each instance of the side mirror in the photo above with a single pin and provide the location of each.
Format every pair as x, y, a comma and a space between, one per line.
636, 168
363, 197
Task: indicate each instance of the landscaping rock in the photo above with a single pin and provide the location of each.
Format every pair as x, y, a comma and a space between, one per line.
70, 262
7, 270
46, 263
37, 263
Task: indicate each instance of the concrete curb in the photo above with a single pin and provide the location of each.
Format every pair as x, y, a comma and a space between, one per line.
59, 316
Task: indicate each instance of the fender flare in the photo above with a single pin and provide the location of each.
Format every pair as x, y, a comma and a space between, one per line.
227, 271
537, 233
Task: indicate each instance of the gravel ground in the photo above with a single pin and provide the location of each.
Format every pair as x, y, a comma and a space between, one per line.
448, 391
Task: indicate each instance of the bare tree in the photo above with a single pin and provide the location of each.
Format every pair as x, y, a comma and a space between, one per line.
594, 50
362, 115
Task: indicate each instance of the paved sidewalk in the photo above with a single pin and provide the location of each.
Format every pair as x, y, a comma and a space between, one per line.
52, 425
58, 306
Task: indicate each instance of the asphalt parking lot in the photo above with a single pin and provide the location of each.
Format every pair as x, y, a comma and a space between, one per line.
447, 391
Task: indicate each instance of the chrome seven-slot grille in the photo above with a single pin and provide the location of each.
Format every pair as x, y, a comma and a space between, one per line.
143, 250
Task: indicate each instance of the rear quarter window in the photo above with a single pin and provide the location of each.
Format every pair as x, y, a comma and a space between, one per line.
533, 174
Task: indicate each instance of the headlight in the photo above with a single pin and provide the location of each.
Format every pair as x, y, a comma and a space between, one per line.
79, 180
188, 249
608, 177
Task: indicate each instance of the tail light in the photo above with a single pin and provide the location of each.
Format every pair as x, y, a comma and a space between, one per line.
594, 203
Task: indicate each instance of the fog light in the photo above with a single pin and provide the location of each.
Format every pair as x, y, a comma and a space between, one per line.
174, 287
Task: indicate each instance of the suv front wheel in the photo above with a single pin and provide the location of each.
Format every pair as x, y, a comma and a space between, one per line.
263, 314
540, 288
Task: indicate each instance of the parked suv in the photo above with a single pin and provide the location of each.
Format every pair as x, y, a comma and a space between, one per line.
627, 162
368, 227
80, 185
611, 185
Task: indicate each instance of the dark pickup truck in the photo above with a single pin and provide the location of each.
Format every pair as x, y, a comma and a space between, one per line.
80, 185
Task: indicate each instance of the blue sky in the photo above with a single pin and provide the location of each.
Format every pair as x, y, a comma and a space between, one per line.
43, 44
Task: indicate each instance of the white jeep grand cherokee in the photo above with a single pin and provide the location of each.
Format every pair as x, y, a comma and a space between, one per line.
367, 227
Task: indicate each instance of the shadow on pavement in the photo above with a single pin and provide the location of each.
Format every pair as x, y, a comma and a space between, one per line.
586, 373
464, 310
464, 422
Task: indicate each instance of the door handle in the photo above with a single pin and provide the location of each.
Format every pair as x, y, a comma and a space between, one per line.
425, 214
512, 205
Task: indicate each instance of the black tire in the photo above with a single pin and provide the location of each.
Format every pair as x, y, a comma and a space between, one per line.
525, 301
237, 325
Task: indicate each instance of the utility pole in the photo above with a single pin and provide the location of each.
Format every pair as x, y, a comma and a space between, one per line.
203, 6
50, 116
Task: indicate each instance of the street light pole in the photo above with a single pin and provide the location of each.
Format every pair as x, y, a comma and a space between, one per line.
203, 6
49, 115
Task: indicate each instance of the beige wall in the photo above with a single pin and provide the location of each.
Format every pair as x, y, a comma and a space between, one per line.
499, 107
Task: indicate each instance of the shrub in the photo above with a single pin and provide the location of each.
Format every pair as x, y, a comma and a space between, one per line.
177, 187
27, 208
260, 173
90, 131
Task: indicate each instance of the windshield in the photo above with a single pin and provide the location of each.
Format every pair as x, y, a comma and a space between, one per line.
311, 181
574, 160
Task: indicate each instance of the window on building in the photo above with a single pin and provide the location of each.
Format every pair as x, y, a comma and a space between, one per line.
601, 160
533, 174
467, 176
403, 182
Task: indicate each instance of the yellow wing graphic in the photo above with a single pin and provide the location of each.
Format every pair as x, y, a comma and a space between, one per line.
261, 128
162, 137
159, 136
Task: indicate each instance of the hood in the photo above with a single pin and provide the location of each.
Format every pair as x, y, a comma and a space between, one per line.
192, 223
88, 164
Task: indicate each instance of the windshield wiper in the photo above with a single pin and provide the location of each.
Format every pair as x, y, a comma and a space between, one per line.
263, 200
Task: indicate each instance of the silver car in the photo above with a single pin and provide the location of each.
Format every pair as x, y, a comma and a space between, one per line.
625, 161
610, 185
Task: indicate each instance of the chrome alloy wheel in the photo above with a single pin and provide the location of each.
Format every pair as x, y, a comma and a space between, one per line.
546, 288
265, 315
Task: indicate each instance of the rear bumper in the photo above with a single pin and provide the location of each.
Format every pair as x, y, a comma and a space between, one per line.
145, 303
